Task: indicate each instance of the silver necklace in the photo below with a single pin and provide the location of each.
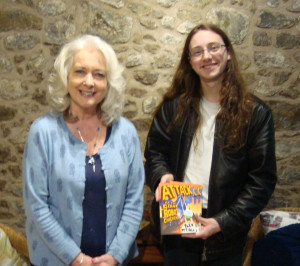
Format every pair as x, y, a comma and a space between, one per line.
92, 159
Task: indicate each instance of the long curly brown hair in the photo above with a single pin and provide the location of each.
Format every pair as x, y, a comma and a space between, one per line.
236, 103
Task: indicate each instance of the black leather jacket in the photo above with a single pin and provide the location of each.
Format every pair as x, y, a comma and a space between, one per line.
241, 183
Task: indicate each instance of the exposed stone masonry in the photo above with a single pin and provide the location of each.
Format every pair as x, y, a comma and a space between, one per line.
148, 37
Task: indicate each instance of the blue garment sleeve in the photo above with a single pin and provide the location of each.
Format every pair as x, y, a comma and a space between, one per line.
36, 173
134, 201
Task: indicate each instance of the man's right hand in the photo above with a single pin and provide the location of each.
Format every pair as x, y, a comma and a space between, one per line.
164, 179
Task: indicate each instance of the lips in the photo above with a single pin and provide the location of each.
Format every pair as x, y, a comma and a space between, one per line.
209, 66
87, 93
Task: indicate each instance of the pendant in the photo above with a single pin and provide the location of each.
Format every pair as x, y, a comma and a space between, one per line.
92, 162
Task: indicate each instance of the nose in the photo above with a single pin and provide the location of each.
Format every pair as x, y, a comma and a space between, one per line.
89, 80
206, 54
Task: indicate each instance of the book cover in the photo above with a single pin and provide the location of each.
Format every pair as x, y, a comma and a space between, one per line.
179, 202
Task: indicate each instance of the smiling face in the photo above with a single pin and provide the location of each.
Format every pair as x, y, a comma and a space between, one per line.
208, 56
87, 81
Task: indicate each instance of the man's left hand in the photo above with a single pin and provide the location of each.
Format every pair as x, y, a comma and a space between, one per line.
209, 227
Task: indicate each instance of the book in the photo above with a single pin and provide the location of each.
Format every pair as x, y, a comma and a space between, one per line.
179, 202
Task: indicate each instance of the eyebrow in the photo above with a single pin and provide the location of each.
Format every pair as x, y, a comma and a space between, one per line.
199, 46
77, 66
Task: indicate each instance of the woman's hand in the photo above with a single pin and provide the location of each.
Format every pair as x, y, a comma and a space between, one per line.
105, 260
86, 261
209, 227
164, 179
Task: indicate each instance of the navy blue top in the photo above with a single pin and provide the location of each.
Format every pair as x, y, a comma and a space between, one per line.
93, 238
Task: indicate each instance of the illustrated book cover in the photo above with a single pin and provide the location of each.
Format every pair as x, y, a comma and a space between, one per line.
179, 202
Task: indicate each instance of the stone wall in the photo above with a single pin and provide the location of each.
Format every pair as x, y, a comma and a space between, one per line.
148, 37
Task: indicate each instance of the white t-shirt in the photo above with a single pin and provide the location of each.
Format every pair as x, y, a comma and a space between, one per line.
200, 156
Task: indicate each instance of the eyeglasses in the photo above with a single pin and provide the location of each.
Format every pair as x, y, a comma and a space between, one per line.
212, 48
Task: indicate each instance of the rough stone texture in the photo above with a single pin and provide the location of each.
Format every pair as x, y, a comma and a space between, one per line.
5, 65
274, 20
233, 22
269, 59
148, 23
149, 104
7, 113
4, 154
297, 57
188, 14
273, 3
281, 77
261, 39
51, 8
140, 9
148, 37
244, 61
249, 78
286, 115
142, 124
264, 72
138, 93
11, 89
185, 27
18, 20
288, 176
146, 77
165, 61
59, 32
169, 39
114, 3
111, 26
166, 3
293, 91
294, 6
134, 60
152, 48
21, 41
286, 148
168, 22
265, 89
288, 41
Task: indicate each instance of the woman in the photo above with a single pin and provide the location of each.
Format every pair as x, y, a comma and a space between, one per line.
83, 173
210, 130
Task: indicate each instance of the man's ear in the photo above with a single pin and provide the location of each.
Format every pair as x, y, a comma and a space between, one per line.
228, 56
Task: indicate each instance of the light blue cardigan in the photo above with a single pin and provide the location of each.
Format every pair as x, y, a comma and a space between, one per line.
53, 190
